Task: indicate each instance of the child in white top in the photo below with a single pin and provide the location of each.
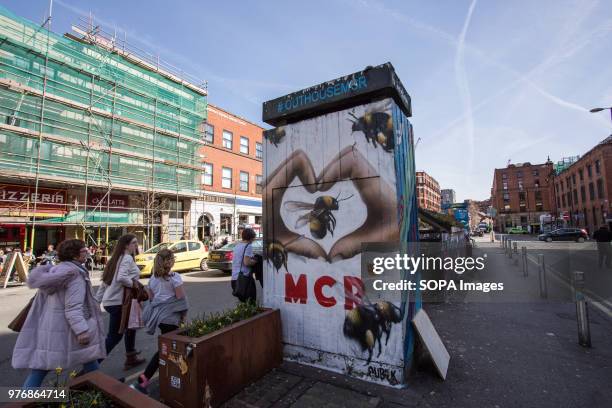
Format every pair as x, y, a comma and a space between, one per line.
164, 286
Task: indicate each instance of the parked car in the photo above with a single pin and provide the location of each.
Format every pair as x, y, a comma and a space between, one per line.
565, 234
483, 227
188, 254
517, 230
222, 258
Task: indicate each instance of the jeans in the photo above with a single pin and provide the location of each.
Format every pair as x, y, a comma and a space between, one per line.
154, 362
36, 377
114, 337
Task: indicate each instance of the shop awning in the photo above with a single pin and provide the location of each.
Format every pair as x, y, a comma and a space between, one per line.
79, 217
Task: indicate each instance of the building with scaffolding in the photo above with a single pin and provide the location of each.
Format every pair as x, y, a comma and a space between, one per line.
96, 138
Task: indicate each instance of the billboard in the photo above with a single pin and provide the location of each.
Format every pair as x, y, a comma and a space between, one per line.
333, 182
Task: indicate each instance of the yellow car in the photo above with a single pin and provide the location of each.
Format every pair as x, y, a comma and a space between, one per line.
188, 254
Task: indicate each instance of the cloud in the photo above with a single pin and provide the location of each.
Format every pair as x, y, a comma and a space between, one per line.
463, 86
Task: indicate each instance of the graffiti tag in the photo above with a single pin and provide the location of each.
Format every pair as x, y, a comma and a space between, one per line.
383, 374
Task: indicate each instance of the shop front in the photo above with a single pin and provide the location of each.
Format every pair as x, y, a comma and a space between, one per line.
218, 216
24, 211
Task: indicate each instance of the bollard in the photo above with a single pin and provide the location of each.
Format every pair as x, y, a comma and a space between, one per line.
509, 249
542, 276
524, 253
492, 236
582, 311
515, 247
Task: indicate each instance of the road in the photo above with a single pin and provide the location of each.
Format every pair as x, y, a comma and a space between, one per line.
207, 292
562, 258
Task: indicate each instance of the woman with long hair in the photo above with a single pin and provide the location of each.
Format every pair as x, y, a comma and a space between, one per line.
64, 326
120, 272
167, 307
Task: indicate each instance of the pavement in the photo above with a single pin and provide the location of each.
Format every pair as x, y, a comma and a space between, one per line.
511, 349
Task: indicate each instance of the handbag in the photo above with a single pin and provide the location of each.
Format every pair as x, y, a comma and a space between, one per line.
17, 324
135, 320
245, 285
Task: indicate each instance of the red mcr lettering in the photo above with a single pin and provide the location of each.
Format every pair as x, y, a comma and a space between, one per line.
297, 291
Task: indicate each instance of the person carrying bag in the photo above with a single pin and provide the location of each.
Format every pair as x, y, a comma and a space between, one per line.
119, 286
243, 284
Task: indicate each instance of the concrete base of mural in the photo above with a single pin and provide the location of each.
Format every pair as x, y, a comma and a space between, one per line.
384, 374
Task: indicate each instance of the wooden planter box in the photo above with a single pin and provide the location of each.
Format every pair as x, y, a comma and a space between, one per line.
209, 370
121, 394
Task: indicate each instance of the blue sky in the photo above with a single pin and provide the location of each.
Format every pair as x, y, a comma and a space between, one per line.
490, 80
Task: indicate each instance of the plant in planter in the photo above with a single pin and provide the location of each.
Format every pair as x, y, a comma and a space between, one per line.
205, 324
216, 355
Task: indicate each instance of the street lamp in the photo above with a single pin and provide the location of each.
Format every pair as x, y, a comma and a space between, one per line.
595, 110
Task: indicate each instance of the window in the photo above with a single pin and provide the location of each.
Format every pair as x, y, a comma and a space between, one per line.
244, 145
180, 247
258, 184
521, 196
209, 133
258, 150
505, 185
194, 246
504, 176
207, 177
536, 183
227, 139
538, 196
575, 196
597, 167
506, 197
583, 193
244, 181
590, 171
569, 198
226, 178
600, 188
591, 191
574, 179
520, 184
563, 200
536, 173
581, 174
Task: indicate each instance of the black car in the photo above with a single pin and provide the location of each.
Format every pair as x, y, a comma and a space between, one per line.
565, 234
222, 258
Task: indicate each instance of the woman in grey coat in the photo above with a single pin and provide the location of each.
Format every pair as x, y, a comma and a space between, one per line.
64, 327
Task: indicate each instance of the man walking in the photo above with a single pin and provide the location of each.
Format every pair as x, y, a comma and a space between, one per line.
603, 236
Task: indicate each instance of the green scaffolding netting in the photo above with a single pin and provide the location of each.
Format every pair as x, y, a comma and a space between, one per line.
146, 117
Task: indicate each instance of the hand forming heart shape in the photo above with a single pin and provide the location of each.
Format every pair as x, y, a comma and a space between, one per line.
378, 196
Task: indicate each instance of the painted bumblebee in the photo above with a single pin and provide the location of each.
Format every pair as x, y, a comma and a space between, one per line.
319, 215
377, 128
366, 324
276, 253
275, 136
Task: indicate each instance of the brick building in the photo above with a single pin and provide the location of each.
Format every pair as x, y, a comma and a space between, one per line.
428, 192
521, 193
231, 176
582, 189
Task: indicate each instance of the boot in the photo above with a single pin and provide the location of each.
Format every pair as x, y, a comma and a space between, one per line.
132, 360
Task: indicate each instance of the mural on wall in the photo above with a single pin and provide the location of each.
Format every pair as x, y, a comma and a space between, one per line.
330, 185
